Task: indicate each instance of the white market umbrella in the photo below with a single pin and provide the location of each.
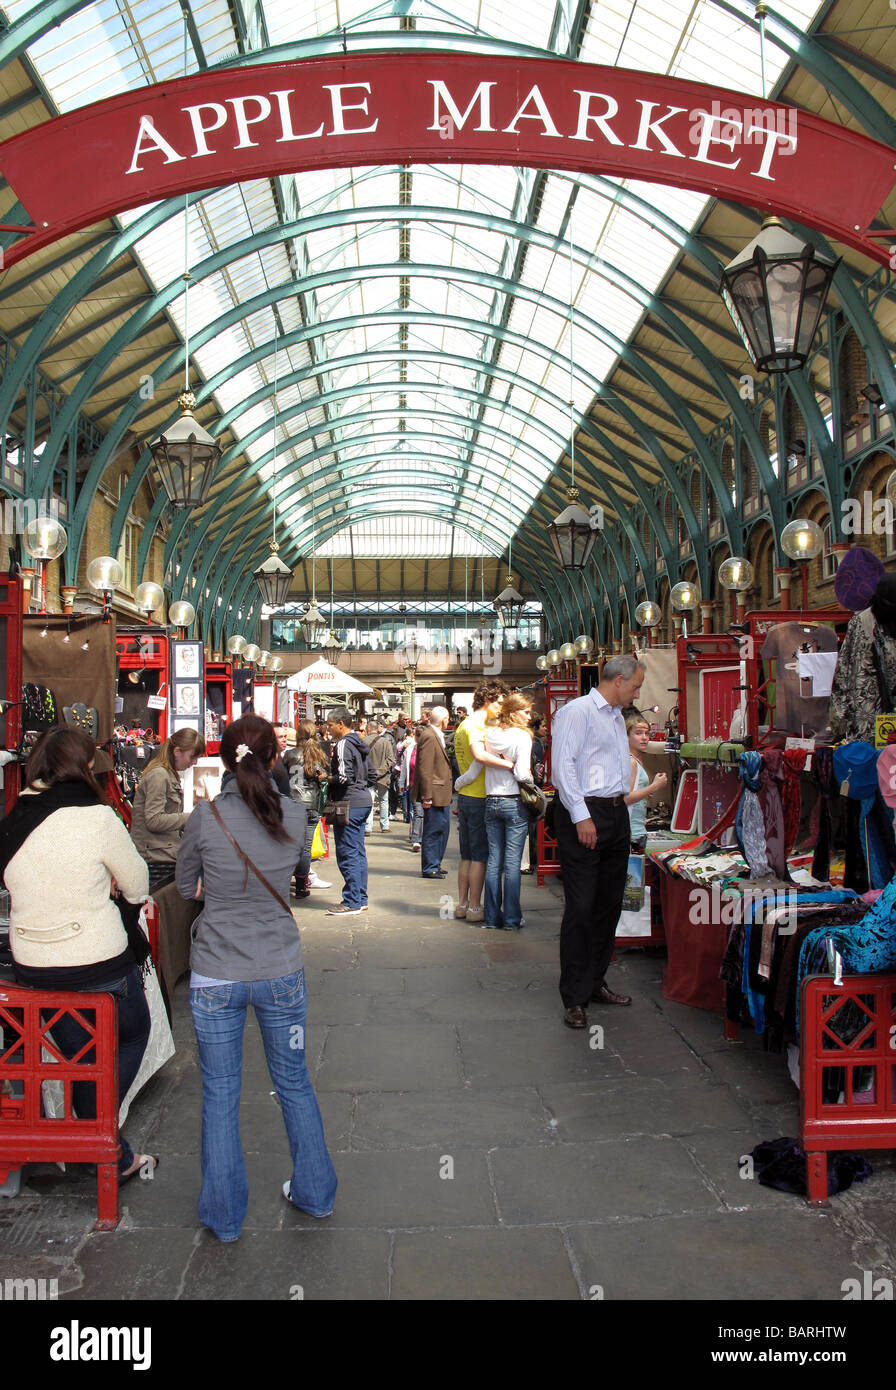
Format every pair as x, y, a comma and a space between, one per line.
322, 678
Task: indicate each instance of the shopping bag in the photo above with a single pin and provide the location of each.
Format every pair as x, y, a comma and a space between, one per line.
635, 925
320, 846
633, 897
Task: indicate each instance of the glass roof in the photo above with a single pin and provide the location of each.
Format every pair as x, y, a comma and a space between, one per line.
399, 315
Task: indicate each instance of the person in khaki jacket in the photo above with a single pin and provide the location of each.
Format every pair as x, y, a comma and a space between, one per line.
158, 816
433, 788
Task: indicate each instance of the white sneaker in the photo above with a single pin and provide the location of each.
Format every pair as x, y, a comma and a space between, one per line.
314, 882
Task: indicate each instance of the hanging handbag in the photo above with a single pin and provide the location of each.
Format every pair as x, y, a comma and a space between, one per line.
337, 813
248, 863
534, 800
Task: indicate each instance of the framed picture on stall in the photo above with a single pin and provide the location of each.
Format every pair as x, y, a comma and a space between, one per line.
187, 686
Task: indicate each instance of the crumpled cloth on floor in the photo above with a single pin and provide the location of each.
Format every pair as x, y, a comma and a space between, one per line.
781, 1163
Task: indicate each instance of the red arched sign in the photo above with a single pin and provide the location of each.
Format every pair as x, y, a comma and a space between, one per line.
423, 107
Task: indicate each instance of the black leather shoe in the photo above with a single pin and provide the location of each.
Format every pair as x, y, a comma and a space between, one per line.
606, 996
441, 873
575, 1017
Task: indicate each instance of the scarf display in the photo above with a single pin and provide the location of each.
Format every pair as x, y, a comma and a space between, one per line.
771, 800
749, 828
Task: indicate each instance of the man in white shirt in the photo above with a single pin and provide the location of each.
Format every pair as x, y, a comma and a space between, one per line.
591, 769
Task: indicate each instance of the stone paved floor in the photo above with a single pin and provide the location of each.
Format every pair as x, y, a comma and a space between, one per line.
483, 1150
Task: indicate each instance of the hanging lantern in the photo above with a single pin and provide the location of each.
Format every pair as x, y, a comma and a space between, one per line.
313, 625
332, 648
186, 457
683, 596
572, 533
802, 539
775, 292
273, 579
647, 614
736, 573
509, 605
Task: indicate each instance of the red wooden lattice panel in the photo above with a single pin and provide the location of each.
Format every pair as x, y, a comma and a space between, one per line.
848, 1069
27, 1133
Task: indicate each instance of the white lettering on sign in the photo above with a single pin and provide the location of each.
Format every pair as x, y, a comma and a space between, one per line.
349, 109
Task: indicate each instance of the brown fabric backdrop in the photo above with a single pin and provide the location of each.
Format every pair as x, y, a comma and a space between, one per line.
69, 672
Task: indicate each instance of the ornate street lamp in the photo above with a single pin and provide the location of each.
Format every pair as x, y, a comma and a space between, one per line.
509, 606
313, 624
273, 579
186, 456
775, 292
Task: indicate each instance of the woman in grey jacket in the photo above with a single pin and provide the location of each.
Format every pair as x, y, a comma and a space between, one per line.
246, 950
159, 817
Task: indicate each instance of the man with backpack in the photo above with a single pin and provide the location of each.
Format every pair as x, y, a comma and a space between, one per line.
381, 752
351, 779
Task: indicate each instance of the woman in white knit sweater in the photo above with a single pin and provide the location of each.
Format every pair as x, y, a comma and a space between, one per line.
62, 851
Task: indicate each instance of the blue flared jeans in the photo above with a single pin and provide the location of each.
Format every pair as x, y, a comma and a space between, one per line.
507, 828
219, 1017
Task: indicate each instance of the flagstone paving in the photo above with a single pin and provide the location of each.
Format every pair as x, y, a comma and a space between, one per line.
484, 1151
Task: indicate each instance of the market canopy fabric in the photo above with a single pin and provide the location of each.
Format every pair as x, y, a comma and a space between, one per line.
327, 679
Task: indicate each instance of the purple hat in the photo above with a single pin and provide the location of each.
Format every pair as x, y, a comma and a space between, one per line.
858, 575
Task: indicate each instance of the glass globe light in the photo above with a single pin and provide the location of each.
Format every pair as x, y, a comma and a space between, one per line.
149, 596
263, 659
181, 614
647, 614
542, 663
568, 651
275, 664
683, 596
554, 657
237, 645
104, 573
252, 653
736, 573
802, 539
44, 538
584, 645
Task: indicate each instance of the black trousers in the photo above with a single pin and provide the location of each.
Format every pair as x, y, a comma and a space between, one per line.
593, 885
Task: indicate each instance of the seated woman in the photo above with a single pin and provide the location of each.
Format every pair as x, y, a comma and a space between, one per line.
158, 816
238, 853
62, 850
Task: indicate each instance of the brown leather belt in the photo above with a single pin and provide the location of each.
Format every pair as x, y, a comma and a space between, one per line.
610, 800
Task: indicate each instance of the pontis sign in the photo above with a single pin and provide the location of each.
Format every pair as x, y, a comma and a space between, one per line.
423, 107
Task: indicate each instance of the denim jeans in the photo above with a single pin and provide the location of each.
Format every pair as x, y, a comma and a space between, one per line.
381, 805
133, 1035
351, 856
219, 1016
507, 827
303, 868
436, 829
415, 835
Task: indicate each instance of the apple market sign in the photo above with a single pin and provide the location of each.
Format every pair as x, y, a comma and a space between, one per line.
231, 124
